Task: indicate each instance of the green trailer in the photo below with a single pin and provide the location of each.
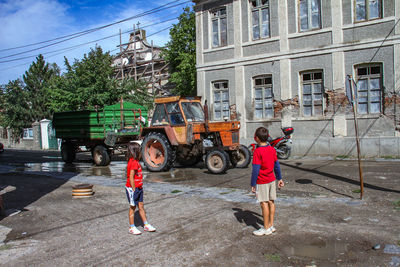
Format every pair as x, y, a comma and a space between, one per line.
101, 131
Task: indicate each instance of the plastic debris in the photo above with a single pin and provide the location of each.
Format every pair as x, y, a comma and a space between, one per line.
377, 246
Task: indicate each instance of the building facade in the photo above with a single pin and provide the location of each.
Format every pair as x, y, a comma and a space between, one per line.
286, 62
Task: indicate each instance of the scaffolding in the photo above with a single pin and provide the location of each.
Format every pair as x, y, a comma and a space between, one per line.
142, 61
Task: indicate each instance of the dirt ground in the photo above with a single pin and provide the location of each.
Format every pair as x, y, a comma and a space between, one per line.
203, 219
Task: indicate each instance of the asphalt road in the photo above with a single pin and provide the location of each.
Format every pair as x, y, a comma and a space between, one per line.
201, 219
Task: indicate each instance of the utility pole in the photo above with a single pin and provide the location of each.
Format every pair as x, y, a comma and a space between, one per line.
351, 96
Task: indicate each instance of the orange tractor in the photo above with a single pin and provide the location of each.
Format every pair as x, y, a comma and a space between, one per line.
180, 130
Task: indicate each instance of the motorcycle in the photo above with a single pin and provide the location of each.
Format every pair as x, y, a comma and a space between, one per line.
280, 144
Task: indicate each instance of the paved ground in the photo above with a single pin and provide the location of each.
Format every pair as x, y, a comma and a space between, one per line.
201, 219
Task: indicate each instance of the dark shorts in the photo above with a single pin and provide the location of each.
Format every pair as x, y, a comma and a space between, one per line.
134, 197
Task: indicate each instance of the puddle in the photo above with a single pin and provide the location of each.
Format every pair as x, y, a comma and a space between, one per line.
172, 176
318, 250
114, 170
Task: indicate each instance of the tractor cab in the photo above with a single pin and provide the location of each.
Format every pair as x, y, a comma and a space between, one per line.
176, 111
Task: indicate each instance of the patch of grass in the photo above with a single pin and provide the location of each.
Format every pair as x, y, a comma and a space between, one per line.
398, 243
5, 247
175, 191
356, 191
397, 205
342, 157
273, 257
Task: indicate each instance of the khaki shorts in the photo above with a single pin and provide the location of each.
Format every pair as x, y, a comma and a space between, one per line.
266, 192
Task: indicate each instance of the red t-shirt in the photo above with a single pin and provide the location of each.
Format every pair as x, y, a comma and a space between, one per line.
138, 177
265, 156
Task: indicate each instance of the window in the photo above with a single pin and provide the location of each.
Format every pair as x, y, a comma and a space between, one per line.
263, 97
310, 14
312, 85
174, 113
260, 19
193, 111
160, 115
28, 133
369, 89
169, 113
221, 100
219, 32
368, 10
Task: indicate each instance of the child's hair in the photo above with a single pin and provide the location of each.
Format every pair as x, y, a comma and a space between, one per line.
262, 134
134, 151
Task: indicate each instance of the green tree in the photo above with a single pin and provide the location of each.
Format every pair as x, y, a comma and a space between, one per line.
134, 91
15, 109
180, 53
36, 81
90, 83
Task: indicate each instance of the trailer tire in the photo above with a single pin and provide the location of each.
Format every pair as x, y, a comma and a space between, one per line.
68, 152
157, 153
101, 156
217, 161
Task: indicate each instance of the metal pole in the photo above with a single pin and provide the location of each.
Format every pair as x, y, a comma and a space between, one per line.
134, 52
152, 67
357, 141
120, 51
121, 109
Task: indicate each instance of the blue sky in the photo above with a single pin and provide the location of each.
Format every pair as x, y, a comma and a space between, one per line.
25, 22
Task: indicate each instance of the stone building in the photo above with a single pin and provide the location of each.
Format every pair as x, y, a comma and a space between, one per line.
285, 63
140, 60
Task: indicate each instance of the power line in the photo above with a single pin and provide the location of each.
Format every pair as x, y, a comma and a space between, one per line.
75, 47
376, 52
79, 45
79, 34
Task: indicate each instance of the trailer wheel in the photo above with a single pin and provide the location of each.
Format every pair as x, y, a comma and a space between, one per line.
217, 161
157, 153
68, 152
101, 156
242, 159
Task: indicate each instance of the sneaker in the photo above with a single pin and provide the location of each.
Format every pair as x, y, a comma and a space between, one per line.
149, 228
262, 231
272, 229
134, 231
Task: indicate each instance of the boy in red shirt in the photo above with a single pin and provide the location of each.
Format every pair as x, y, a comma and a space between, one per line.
265, 164
134, 179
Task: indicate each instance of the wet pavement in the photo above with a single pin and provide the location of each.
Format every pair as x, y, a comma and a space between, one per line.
202, 219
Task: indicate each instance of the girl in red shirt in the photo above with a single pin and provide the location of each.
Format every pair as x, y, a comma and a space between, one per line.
134, 179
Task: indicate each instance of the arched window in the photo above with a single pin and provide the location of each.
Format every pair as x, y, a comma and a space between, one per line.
219, 27
367, 10
369, 88
312, 87
263, 97
309, 15
260, 18
221, 100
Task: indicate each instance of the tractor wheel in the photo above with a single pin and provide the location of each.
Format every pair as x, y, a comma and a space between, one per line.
242, 159
157, 153
68, 152
217, 161
101, 156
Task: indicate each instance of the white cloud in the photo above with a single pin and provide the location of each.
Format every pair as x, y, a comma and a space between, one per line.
30, 21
